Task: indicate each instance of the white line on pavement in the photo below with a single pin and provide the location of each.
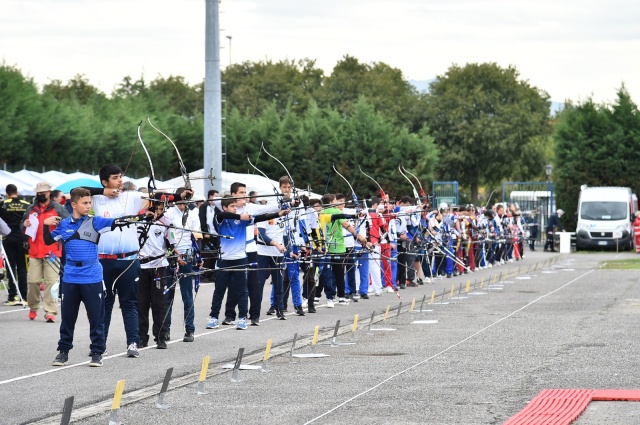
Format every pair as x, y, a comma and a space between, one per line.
56, 369
446, 349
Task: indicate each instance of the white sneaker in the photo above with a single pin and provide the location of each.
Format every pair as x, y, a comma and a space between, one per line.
305, 302
356, 296
343, 301
330, 303
390, 290
378, 294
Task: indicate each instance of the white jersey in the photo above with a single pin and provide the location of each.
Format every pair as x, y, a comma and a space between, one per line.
183, 237
155, 244
349, 241
311, 219
298, 228
254, 210
211, 212
125, 239
392, 232
274, 229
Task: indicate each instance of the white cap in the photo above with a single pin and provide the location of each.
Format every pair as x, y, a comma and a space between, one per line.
443, 206
559, 212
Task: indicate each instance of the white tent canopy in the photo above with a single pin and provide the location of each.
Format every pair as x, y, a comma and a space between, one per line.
254, 182
26, 180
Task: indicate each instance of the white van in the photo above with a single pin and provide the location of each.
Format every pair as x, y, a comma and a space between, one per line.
605, 212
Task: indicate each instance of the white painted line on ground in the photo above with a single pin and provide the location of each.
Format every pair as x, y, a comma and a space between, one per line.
57, 369
424, 322
310, 355
243, 366
446, 349
24, 310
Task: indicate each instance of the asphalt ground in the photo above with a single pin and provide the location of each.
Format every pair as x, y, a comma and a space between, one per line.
568, 326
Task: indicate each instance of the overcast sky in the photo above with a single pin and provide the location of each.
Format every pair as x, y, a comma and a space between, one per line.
572, 49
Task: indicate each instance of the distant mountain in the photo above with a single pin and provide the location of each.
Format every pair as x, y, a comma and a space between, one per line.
423, 87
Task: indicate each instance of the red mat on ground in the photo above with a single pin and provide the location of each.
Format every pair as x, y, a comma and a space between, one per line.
561, 407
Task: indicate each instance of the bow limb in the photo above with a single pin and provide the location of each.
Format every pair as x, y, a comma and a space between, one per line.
353, 192
422, 193
265, 176
382, 194
294, 191
151, 188
183, 171
415, 192
183, 168
151, 185
281, 164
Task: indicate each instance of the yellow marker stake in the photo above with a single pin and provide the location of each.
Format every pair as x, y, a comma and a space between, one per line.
204, 368
118, 395
355, 323
453, 287
482, 283
316, 330
413, 304
468, 288
386, 314
433, 296
267, 351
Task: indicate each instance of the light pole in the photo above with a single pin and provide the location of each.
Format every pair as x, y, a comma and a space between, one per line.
547, 170
229, 37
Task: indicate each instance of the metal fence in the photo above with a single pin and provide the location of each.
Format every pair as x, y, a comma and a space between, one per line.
445, 192
535, 199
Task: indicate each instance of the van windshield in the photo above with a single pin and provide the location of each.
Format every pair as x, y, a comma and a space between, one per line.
603, 211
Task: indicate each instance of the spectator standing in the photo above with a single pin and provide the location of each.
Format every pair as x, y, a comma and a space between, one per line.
552, 225
40, 253
15, 245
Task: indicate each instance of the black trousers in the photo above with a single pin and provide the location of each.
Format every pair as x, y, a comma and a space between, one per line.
151, 296
14, 247
255, 291
338, 269
549, 243
406, 270
309, 268
92, 296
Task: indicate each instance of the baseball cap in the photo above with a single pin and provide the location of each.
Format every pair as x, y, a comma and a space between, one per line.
42, 187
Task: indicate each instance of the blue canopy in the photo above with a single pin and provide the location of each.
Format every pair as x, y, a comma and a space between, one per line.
67, 187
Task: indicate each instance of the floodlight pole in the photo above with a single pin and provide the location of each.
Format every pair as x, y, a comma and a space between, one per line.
212, 98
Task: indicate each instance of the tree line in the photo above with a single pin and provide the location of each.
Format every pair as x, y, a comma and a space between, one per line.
597, 144
479, 124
